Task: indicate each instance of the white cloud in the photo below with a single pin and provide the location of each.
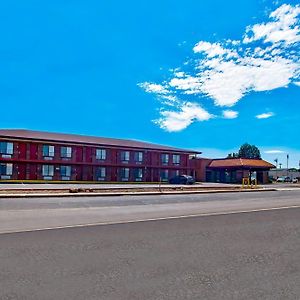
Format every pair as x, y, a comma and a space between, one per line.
273, 151
266, 58
179, 74
213, 49
230, 114
178, 120
265, 115
154, 88
283, 29
227, 81
189, 83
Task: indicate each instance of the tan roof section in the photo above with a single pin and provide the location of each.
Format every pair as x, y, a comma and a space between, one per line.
240, 162
82, 139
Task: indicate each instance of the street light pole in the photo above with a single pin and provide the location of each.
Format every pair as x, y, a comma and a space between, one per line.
276, 161
287, 165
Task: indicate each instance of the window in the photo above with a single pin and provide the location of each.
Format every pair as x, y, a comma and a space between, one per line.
48, 151
124, 174
138, 157
138, 174
101, 154
6, 149
66, 152
176, 159
48, 172
6, 170
165, 159
164, 175
65, 172
125, 156
101, 173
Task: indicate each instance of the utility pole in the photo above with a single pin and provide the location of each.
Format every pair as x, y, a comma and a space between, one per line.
276, 161
287, 165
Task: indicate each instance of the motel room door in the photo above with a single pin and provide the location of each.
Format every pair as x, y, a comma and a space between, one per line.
32, 172
22, 171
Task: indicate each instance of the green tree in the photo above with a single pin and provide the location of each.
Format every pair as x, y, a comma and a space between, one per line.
249, 151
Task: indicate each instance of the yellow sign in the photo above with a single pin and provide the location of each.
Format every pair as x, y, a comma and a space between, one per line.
246, 182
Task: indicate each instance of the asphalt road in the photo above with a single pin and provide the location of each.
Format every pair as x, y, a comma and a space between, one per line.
40, 213
237, 256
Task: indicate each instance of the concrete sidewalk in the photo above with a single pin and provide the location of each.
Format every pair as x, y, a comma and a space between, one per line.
102, 185
18, 190
129, 192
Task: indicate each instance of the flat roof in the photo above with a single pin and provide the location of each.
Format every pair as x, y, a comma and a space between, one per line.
82, 139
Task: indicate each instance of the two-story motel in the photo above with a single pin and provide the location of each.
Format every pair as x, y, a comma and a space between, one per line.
35, 155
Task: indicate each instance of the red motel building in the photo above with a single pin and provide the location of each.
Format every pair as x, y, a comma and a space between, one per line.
43, 156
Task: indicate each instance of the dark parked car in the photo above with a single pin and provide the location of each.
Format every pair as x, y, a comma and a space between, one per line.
287, 179
182, 179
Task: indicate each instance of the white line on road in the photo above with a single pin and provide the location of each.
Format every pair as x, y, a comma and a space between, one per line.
151, 219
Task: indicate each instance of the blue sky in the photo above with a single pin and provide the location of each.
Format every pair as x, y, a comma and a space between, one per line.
205, 75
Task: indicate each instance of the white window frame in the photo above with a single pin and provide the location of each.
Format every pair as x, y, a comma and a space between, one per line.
176, 159
48, 170
8, 148
165, 158
51, 151
139, 157
125, 156
138, 174
125, 174
101, 175
8, 170
66, 152
101, 154
67, 174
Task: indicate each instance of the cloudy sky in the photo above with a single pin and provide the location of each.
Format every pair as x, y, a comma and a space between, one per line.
205, 75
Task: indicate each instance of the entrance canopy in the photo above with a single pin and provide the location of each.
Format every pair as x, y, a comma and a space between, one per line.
233, 170
241, 164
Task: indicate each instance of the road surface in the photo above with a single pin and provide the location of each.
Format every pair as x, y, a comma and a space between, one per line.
238, 256
41, 213
221, 246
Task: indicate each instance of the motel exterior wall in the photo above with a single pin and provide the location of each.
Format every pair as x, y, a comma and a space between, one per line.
200, 165
27, 161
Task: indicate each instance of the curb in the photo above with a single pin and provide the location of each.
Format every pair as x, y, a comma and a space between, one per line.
132, 193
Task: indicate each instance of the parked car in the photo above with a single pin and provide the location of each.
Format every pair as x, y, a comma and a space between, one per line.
182, 179
287, 179
284, 179
295, 180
